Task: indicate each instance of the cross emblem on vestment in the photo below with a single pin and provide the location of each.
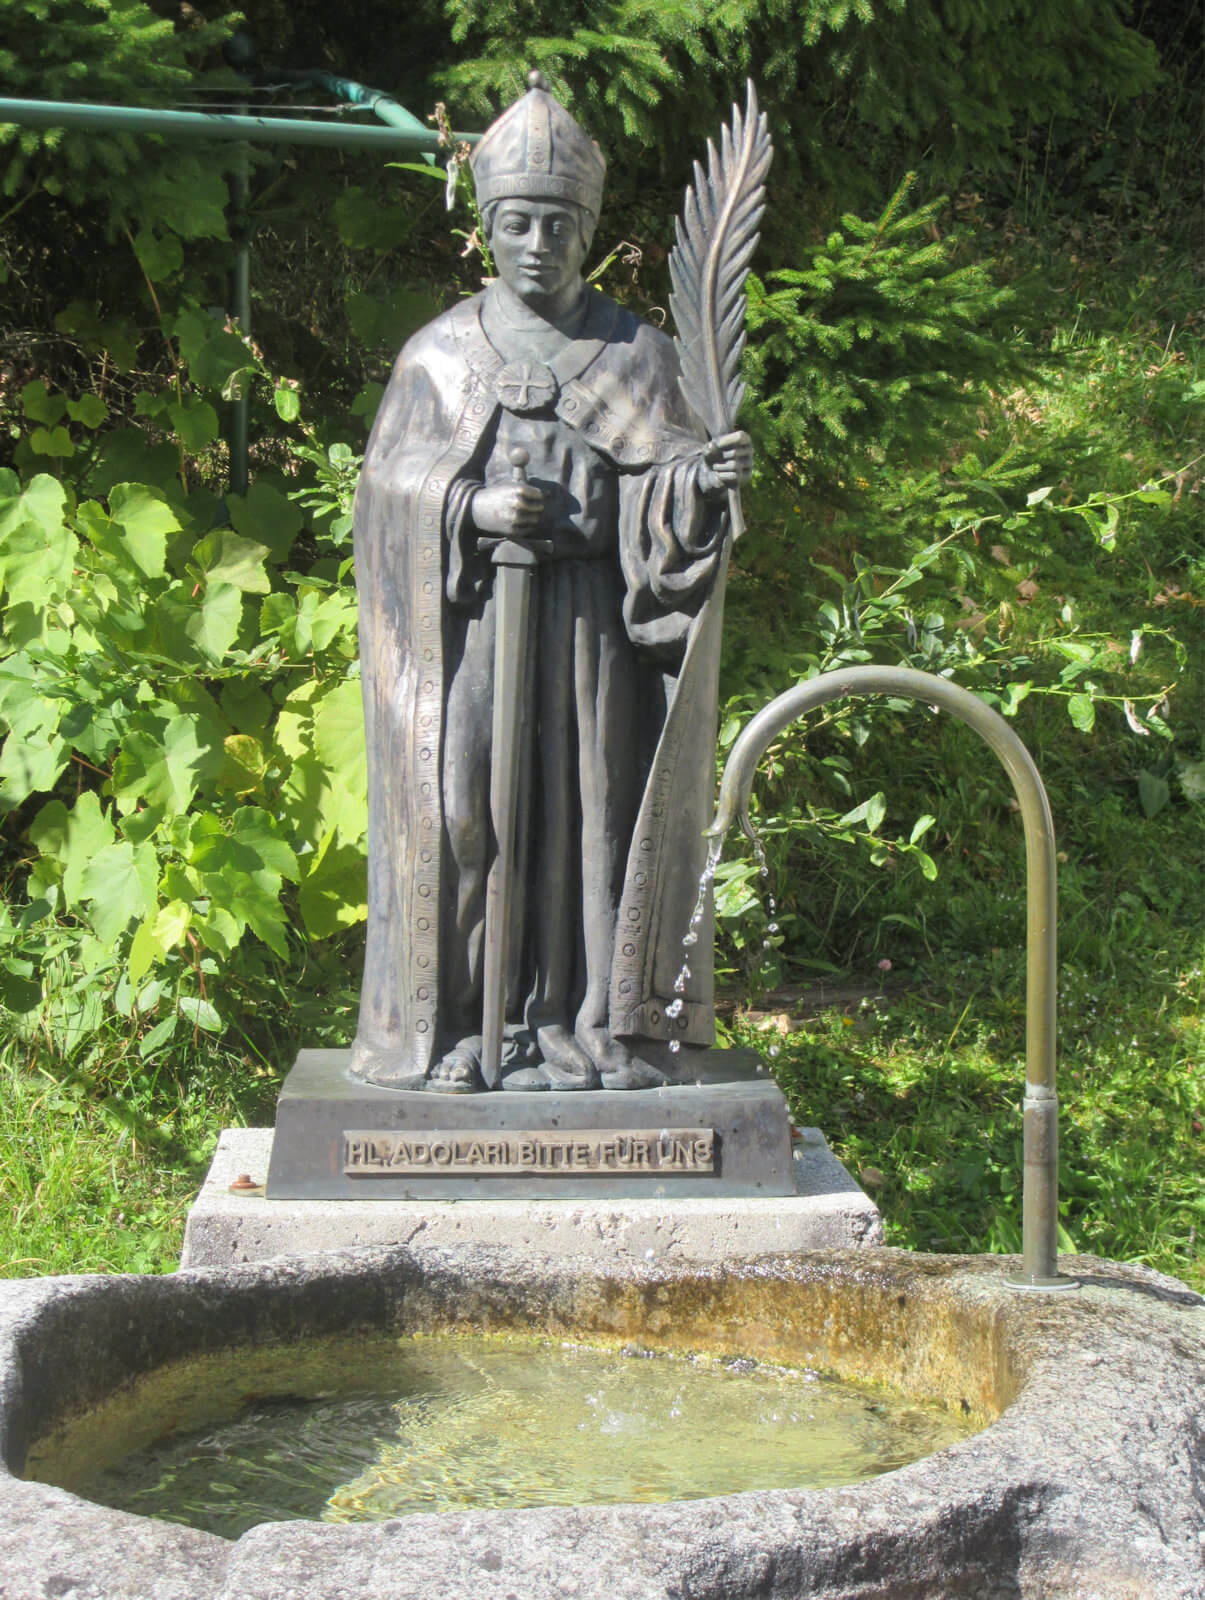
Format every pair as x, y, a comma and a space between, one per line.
524, 386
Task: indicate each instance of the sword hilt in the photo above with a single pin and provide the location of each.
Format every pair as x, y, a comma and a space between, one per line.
516, 550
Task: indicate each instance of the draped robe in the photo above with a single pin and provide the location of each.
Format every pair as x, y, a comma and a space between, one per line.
620, 703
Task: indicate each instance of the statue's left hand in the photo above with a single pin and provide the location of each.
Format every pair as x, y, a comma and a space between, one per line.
727, 464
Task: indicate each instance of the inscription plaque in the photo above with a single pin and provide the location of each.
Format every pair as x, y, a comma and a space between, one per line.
539, 1153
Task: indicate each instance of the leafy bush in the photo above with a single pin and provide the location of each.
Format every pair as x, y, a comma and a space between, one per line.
184, 745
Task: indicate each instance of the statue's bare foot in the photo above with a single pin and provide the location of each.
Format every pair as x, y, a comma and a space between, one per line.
458, 1072
617, 1066
565, 1064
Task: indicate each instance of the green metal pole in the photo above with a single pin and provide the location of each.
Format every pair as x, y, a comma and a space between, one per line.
358, 94
240, 419
1039, 1246
405, 131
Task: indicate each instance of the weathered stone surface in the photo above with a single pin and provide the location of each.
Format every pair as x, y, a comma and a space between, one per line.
1086, 1487
827, 1212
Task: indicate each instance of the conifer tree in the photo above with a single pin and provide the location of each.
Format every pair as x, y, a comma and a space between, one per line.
120, 53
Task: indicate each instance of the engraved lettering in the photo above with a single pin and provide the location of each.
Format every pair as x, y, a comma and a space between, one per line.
603, 1151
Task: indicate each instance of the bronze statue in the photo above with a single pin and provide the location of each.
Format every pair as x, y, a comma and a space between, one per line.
542, 532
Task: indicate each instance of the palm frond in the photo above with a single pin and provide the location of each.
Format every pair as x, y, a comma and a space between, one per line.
716, 237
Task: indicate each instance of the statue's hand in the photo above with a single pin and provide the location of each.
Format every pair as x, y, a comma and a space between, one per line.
507, 508
727, 464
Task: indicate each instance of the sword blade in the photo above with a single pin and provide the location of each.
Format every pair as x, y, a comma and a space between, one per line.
514, 563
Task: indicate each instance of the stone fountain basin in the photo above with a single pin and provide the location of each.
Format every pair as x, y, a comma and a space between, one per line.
1086, 1483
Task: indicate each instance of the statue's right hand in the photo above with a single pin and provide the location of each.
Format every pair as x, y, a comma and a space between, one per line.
507, 508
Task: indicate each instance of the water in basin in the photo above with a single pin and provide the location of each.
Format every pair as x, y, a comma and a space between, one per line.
357, 1431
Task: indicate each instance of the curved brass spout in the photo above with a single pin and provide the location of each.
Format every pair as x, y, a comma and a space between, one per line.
1039, 1261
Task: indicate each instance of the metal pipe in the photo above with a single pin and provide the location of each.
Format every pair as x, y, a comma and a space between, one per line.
240, 417
408, 134
358, 94
1039, 1258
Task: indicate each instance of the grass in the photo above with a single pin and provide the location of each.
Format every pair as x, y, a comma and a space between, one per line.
918, 1091
100, 1180
918, 1085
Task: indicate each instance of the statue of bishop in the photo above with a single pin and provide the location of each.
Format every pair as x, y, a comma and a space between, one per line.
541, 413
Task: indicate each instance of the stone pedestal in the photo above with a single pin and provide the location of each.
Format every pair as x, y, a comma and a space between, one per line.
825, 1209
723, 1133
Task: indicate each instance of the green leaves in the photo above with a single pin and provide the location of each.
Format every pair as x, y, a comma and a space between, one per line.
875, 342
240, 869
214, 627
73, 839
870, 814
211, 817
228, 557
365, 224
143, 520
159, 256
286, 400
120, 882
37, 549
195, 422
1154, 792
387, 320
264, 516
157, 936
1081, 708
212, 351
163, 764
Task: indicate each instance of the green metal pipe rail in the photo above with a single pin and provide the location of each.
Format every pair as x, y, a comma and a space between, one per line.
1039, 1258
405, 130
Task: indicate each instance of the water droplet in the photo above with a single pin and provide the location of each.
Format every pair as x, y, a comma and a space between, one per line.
773, 926
674, 1009
674, 1046
773, 1049
691, 938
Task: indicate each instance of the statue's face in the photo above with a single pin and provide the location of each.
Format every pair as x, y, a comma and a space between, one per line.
539, 247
